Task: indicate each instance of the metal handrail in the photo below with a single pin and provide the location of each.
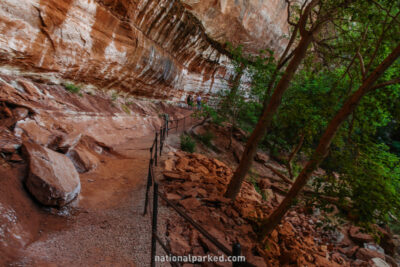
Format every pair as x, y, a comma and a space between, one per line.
160, 138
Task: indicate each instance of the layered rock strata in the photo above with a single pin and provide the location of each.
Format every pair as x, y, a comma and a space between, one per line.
155, 49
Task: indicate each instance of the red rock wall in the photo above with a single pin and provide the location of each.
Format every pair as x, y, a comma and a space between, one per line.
149, 48
257, 24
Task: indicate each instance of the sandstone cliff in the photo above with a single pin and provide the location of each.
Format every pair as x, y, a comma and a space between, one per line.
155, 49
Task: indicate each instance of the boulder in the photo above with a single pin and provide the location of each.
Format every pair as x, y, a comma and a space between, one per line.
20, 113
358, 236
16, 158
52, 179
83, 159
190, 203
239, 134
391, 261
264, 184
178, 244
170, 175
261, 158
172, 196
367, 254
65, 143
218, 163
34, 131
268, 194
203, 170
378, 262
8, 142
169, 165
182, 164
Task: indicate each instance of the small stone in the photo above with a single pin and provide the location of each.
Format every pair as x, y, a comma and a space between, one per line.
190, 203
378, 262
172, 196
16, 158
367, 254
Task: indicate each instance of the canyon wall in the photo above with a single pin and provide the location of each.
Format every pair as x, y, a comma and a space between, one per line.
156, 49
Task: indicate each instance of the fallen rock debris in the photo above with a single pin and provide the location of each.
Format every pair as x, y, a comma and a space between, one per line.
197, 184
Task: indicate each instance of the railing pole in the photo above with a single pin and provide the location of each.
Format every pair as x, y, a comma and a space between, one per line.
154, 225
161, 140
236, 252
184, 123
155, 154
149, 184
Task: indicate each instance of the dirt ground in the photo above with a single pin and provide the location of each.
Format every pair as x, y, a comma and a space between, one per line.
104, 226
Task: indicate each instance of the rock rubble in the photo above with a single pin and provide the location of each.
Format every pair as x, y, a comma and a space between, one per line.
197, 184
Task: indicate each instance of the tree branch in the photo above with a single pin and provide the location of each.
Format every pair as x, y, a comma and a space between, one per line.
384, 84
387, 11
362, 66
283, 177
304, 17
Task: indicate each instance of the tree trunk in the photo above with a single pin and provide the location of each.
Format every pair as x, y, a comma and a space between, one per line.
295, 150
233, 98
349, 106
266, 117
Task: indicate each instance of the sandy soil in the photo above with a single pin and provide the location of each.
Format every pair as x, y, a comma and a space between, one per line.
105, 226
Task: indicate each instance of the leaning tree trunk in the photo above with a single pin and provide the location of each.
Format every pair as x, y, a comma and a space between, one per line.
233, 97
273, 220
266, 118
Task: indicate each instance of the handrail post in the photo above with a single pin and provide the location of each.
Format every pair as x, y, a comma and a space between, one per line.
236, 252
155, 154
166, 125
161, 140
149, 184
154, 225
184, 123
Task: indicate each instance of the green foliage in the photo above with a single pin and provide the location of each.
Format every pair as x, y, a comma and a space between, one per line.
369, 182
126, 109
206, 138
114, 96
187, 143
72, 88
363, 163
252, 178
209, 112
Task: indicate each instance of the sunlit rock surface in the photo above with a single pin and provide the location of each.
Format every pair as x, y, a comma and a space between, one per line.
256, 24
158, 49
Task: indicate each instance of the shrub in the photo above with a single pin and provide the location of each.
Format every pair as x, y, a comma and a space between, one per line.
126, 109
187, 143
114, 96
72, 88
206, 138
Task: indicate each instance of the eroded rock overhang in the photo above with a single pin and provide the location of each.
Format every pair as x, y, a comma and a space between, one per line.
149, 48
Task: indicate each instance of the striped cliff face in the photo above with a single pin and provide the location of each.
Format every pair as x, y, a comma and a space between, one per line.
157, 49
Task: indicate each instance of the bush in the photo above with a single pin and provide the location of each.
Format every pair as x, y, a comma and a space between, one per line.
206, 138
126, 109
72, 88
114, 96
187, 143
